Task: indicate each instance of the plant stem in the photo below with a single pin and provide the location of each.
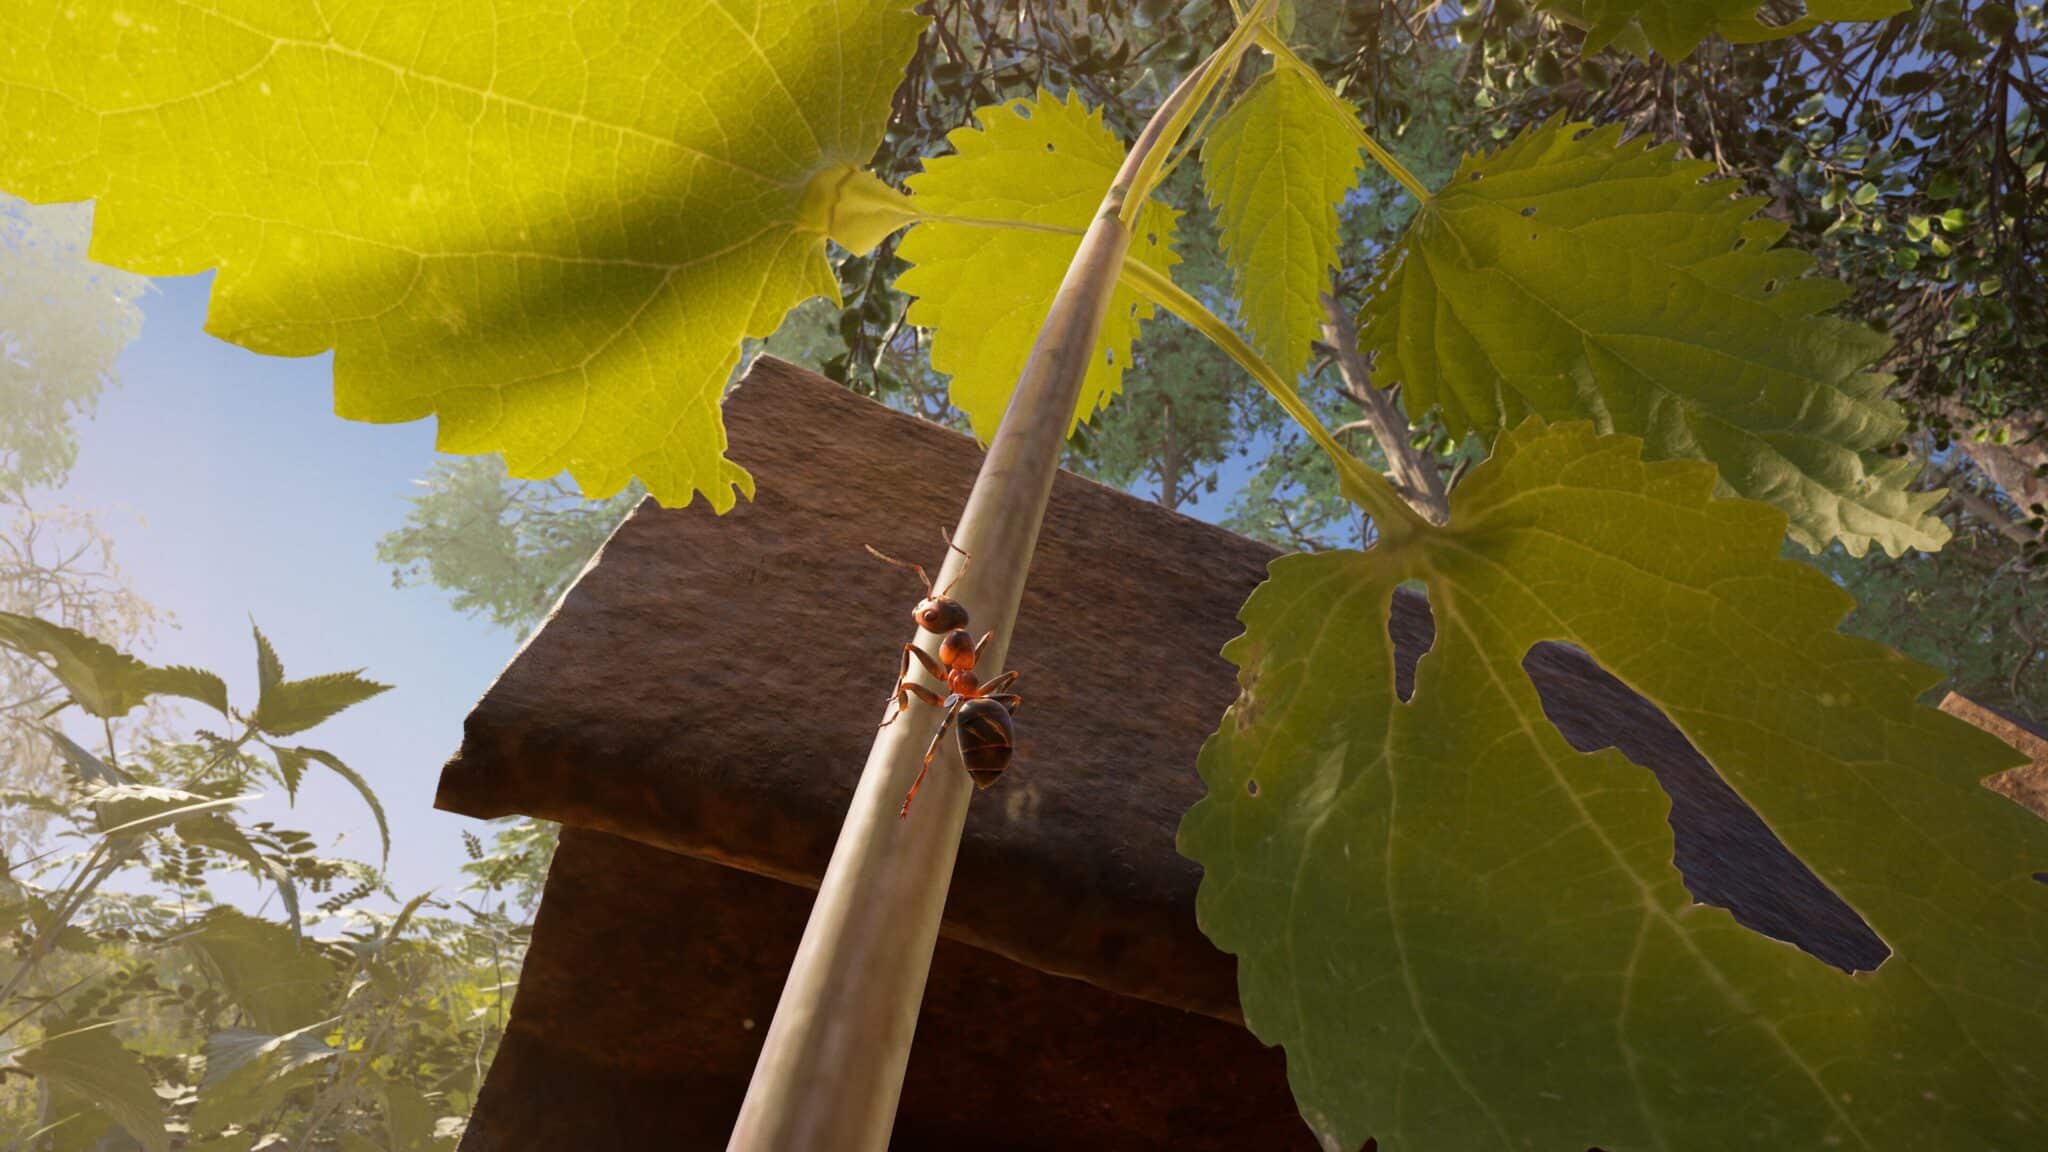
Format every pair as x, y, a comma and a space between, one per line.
1366, 488
1415, 476
831, 1064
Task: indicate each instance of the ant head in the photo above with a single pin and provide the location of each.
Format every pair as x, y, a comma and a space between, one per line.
937, 612
944, 615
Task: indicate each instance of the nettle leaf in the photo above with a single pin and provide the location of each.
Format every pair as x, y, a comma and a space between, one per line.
286, 707
89, 1072
1674, 28
280, 982
102, 680
1574, 275
355, 780
1277, 165
984, 292
1469, 935
547, 223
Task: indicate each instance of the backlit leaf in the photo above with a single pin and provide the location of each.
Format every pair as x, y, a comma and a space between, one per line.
1468, 935
1277, 165
549, 223
296, 705
1573, 275
985, 292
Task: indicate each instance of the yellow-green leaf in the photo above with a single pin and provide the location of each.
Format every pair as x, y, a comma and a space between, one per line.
1675, 27
1469, 935
549, 223
1277, 165
984, 292
1574, 275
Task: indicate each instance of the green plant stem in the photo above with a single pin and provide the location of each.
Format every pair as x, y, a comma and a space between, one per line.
831, 1065
1170, 122
1367, 488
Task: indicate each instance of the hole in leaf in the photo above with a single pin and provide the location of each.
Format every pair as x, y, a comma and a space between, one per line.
1741, 242
1727, 855
1251, 787
1048, 146
1529, 211
1476, 175
1022, 110
1412, 630
1770, 286
2042, 877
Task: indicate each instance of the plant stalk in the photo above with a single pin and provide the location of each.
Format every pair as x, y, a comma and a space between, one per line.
831, 1066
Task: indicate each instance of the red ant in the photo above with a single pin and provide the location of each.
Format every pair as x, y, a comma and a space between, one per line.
982, 711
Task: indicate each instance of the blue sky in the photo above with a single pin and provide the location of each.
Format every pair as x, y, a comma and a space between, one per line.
234, 491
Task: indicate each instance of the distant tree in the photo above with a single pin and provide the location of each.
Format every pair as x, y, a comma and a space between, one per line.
64, 322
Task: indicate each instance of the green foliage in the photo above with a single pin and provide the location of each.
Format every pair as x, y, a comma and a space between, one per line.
984, 292
439, 207
1674, 28
63, 321
1571, 274
1469, 935
165, 1017
99, 1082
102, 681
289, 707
1465, 933
507, 549
1278, 165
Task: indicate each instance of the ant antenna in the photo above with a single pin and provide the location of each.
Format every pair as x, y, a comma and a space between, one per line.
917, 568
965, 558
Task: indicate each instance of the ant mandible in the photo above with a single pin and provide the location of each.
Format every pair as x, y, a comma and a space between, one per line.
980, 713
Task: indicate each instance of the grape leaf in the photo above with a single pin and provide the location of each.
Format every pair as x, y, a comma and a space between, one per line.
548, 223
1277, 165
1574, 275
102, 680
984, 292
1469, 935
1674, 28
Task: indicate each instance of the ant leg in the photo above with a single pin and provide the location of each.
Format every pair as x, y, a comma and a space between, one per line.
904, 812
922, 693
905, 689
982, 644
999, 683
1009, 700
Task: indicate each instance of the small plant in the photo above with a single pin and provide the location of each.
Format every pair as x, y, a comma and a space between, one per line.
554, 230
167, 1014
